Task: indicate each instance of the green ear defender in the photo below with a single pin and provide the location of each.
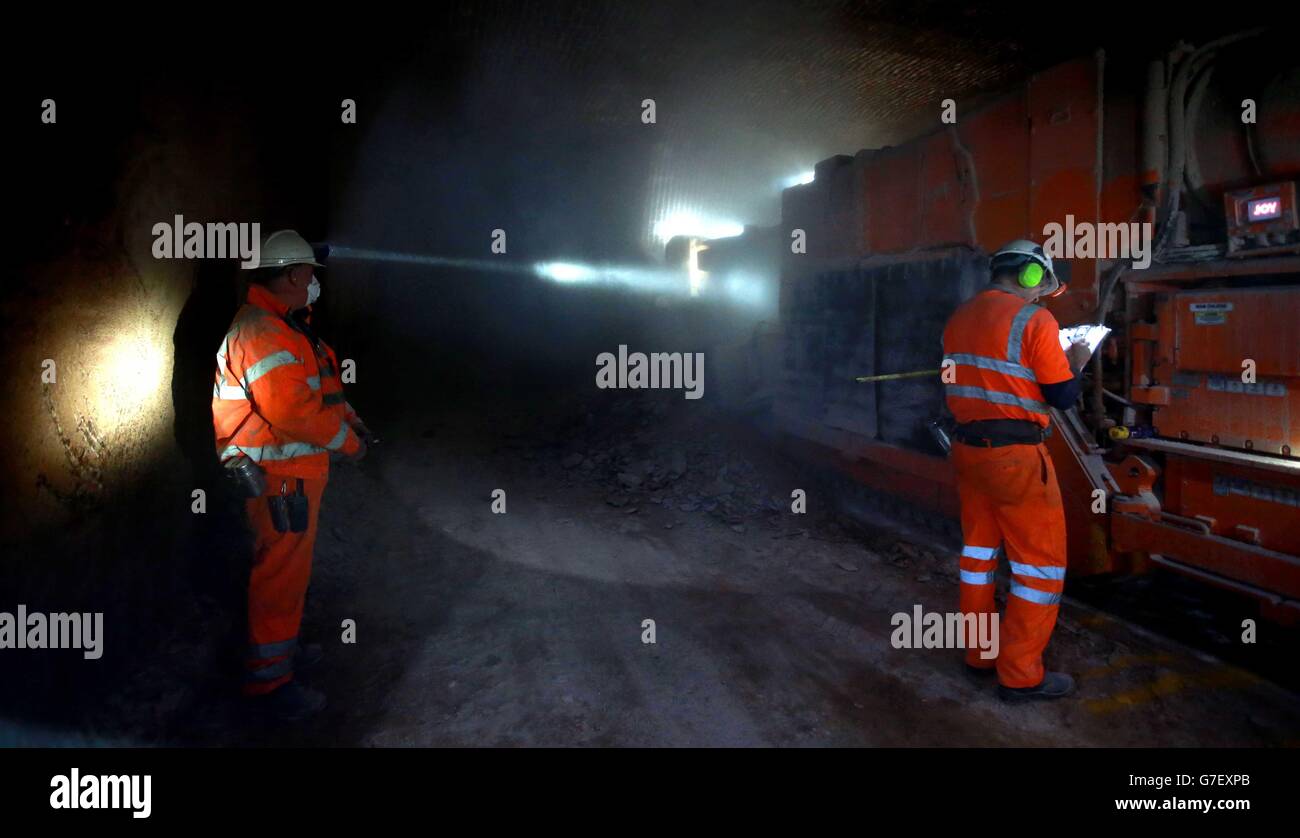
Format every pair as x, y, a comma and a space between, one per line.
1031, 275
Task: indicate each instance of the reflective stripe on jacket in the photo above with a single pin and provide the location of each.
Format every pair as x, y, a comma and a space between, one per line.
267, 400
1002, 348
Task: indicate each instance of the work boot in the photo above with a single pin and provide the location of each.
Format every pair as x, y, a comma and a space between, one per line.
1053, 685
291, 703
307, 656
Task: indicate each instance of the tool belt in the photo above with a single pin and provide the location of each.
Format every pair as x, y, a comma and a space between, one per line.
995, 433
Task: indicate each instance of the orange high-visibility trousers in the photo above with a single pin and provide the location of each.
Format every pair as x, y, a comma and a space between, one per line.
1010, 499
277, 586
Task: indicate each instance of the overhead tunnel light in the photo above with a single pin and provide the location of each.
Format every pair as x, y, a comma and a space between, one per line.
693, 225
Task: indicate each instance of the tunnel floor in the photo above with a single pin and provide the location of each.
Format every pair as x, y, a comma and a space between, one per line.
525, 628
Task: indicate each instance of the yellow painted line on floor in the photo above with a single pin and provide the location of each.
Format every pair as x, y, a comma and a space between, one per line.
1126, 661
1170, 684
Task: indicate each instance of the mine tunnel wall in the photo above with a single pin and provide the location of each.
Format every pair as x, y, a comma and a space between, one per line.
876, 318
112, 352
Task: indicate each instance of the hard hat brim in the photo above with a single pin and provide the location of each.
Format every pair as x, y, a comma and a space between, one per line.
289, 263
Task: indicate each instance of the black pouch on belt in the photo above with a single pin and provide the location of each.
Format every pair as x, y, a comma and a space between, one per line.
289, 511
244, 476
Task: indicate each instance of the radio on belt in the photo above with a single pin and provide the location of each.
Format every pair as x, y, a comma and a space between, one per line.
1262, 220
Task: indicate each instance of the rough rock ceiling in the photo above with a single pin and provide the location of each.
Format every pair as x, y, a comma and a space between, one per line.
748, 92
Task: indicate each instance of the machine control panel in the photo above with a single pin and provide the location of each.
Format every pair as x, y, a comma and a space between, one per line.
1262, 220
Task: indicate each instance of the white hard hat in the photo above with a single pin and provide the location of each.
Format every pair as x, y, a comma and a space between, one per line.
1031, 263
1016, 253
285, 247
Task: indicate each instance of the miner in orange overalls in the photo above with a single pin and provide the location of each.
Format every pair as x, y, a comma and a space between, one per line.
279, 412
1008, 370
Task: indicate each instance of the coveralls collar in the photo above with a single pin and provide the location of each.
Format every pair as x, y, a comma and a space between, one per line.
259, 296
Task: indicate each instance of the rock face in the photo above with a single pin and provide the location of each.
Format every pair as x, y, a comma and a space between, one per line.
107, 451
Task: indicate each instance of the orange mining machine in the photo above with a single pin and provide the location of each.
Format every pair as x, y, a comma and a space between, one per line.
1185, 450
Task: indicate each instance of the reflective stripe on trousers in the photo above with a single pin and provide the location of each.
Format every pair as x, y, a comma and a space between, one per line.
277, 588
266, 651
1033, 595
277, 671
1009, 496
978, 564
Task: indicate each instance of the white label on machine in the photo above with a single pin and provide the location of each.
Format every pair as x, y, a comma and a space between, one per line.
1087, 333
1210, 314
1229, 384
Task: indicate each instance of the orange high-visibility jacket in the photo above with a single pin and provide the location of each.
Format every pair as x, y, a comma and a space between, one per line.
269, 398
331, 385
1003, 348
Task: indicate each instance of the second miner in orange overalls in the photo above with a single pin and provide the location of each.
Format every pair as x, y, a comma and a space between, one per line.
1009, 371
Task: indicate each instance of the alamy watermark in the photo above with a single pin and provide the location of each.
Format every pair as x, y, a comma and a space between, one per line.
945, 630
103, 791
178, 239
656, 370
34, 630
1085, 240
